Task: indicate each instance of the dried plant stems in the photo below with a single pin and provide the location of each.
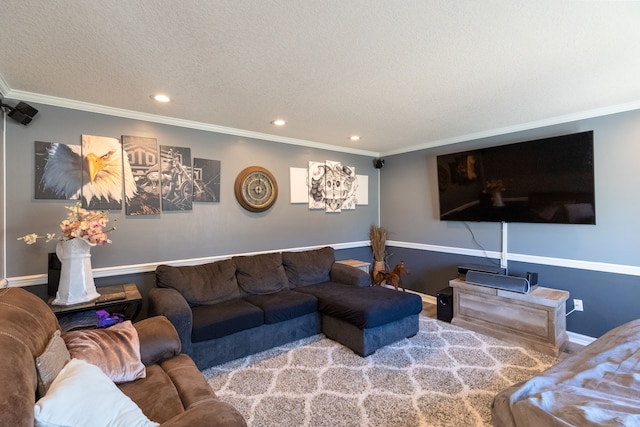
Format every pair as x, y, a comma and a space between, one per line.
378, 237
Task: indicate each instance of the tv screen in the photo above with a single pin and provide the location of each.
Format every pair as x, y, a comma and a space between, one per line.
547, 180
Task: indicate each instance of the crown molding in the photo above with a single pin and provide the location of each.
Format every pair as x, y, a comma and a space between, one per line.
154, 118
589, 114
7, 92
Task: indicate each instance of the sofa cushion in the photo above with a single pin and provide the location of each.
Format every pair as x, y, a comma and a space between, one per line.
224, 318
201, 284
363, 307
115, 350
308, 267
261, 274
284, 305
160, 405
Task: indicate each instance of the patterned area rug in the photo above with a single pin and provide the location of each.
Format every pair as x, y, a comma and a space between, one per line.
443, 376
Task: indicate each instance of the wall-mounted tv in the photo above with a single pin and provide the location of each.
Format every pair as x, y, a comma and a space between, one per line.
547, 180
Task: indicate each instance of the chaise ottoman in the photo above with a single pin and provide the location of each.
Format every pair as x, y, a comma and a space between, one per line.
365, 318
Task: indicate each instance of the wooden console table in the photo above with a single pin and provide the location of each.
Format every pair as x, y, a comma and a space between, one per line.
535, 320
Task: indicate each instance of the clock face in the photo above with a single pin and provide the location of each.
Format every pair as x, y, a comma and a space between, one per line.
256, 189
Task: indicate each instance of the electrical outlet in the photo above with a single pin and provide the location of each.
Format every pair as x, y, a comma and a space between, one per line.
577, 305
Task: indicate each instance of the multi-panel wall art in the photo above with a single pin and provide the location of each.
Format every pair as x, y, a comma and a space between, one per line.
177, 180
93, 172
142, 154
206, 180
104, 172
329, 185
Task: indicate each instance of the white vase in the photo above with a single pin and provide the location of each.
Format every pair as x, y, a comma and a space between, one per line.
76, 277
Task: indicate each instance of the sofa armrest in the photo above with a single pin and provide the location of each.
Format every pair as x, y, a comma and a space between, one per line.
171, 304
212, 412
159, 340
349, 275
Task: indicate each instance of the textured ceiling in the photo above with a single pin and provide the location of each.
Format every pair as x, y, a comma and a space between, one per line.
402, 74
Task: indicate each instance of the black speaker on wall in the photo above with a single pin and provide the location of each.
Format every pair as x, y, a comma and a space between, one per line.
444, 299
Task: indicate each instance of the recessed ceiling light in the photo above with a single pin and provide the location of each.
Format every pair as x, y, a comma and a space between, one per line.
354, 137
278, 122
161, 98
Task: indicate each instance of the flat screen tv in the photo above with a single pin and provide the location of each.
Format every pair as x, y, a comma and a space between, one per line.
547, 180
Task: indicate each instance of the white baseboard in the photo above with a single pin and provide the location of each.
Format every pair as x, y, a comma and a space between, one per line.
580, 339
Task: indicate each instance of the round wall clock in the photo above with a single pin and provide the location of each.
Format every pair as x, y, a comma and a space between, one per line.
256, 189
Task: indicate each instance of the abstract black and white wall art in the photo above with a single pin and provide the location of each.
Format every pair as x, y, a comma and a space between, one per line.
333, 186
328, 185
317, 185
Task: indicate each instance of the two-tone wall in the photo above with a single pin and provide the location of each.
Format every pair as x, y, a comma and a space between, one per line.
210, 231
599, 264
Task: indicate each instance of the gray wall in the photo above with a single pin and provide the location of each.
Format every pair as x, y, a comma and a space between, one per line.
211, 229
599, 264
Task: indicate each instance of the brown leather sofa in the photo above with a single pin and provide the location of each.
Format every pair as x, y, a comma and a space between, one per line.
173, 393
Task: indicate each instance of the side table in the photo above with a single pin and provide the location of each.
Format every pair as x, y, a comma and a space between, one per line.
362, 265
125, 299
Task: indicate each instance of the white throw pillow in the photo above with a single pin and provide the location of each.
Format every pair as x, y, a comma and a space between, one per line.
82, 395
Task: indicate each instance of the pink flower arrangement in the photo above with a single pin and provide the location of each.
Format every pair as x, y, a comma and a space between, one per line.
79, 224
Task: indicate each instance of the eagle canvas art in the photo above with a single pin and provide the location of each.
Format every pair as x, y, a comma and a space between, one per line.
96, 172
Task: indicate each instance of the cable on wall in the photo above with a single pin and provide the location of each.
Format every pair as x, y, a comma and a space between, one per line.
486, 254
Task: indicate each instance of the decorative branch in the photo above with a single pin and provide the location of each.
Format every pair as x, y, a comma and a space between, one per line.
378, 237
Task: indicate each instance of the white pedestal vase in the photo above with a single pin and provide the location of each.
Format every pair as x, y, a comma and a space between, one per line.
76, 277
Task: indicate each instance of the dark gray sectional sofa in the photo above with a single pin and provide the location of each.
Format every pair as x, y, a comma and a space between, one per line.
232, 308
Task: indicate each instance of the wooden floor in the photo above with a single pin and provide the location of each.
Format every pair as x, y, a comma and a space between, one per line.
431, 310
